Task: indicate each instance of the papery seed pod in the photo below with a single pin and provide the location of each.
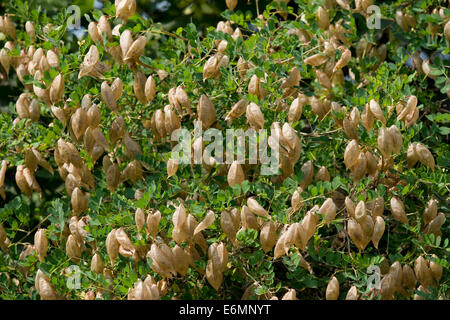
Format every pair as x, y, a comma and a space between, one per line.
97, 152
79, 201
378, 231
93, 116
332, 292
206, 222
104, 27
256, 208
309, 224
360, 168
73, 249
57, 89
308, 174
423, 272
44, 287
408, 278
351, 154
40, 244
397, 139
371, 163
323, 20
117, 129
112, 177
93, 32
352, 294
290, 295
375, 109
344, 60
235, 174
227, 225
125, 9
268, 236
297, 200
79, 122
398, 210
292, 80
99, 138
248, 219
152, 223
210, 67
182, 260
112, 246
35, 110
323, 79
436, 270
367, 118
22, 182
206, 111
172, 121
117, 89
430, 211
172, 167
254, 116
316, 60
385, 142
131, 146
150, 89
410, 106
356, 233
424, 155
295, 110
435, 225
124, 241
350, 129
411, 155
237, 110
139, 219
231, 4
360, 211
350, 207
322, 174
139, 86
328, 210
97, 264
22, 106
3, 172
213, 275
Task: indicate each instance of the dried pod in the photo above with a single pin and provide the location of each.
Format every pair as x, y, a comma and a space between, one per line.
424, 155
254, 116
237, 110
79, 201
139, 219
172, 167
73, 249
295, 110
139, 87
430, 211
356, 233
378, 231
268, 236
436, 269
117, 89
351, 154
323, 20
352, 294
227, 225
40, 243
316, 60
308, 174
385, 142
344, 60
231, 4
57, 89
235, 174
117, 129
328, 210
206, 222
206, 112
150, 89
423, 272
290, 295
153, 219
408, 278
248, 219
332, 292
435, 225
97, 264
256, 208
398, 210
112, 246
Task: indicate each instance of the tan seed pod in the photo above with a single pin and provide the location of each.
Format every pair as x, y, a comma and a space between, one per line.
367, 118
297, 200
139, 219
352, 294
375, 109
3, 172
350, 129
237, 110
378, 231
430, 211
79, 122
40, 244
172, 167
423, 272
332, 292
44, 287
231, 4
295, 110
256, 208
131, 146
344, 60
206, 112
136, 49
385, 142
268, 236
248, 219
351, 154
57, 89
73, 249
397, 139
371, 163
117, 129
436, 270
308, 171
22, 106
153, 219
356, 233
377, 207
408, 278
435, 225
316, 60
22, 182
227, 225
322, 174
97, 264
425, 156
398, 210
93, 116
350, 207
411, 155
206, 222
117, 89
323, 20
93, 32
171, 120
99, 138
139, 87
112, 177
309, 224
235, 174
360, 211
112, 246
182, 260
328, 210
79, 201
290, 295
150, 89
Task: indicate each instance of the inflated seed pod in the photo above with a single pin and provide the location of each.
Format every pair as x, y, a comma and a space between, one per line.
411, 155
113, 177
248, 219
328, 210
125, 9
139, 86
359, 169
44, 287
73, 249
116, 130
424, 155
268, 236
254, 116
398, 210
97, 264
323, 19
316, 60
371, 163
295, 110
40, 244
360, 211
235, 174
378, 231
332, 292
206, 222
344, 60
435, 225
308, 171
423, 272
397, 139
206, 112
139, 219
150, 89
79, 201
430, 211
375, 109
227, 225
350, 207
237, 110
256, 208
297, 200
351, 154
436, 270
408, 278
356, 233
152, 223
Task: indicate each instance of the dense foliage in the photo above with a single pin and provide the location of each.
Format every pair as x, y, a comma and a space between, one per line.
90, 192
